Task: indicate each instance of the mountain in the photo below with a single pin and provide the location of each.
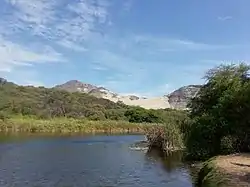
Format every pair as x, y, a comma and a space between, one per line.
50, 103
176, 100
180, 97
3, 81
75, 86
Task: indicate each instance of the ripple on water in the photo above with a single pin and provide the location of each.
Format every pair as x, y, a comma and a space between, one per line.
92, 161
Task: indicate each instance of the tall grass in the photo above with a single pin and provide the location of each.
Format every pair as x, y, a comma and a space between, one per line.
65, 125
166, 137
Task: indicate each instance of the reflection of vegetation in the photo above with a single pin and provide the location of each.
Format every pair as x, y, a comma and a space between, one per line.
13, 137
5, 138
170, 160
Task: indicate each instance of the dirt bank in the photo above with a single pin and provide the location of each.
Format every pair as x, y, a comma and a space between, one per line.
225, 171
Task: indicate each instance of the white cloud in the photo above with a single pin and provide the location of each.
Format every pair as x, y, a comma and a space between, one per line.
127, 5
4, 68
81, 20
224, 18
32, 15
71, 45
13, 55
71, 24
25, 77
42, 24
115, 61
66, 24
174, 44
76, 25
99, 68
32, 83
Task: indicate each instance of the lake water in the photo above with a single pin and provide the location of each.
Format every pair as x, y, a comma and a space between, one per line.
91, 161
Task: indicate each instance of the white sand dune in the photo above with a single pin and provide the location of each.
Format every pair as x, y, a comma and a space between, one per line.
148, 103
177, 99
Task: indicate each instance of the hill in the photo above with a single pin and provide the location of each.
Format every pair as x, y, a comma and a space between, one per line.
175, 100
49, 103
46, 103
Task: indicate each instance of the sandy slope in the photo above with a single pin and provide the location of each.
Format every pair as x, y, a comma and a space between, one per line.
148, 103
151, 103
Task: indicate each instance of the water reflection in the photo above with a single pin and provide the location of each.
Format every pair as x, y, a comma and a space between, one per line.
89, 161
174, 162
170, 160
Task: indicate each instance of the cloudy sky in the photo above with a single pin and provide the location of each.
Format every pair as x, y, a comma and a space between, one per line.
145, 47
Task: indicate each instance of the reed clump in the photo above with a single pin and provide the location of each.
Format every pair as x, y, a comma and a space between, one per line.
166, 137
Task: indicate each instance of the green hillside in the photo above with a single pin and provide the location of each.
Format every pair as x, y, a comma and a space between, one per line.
47, 103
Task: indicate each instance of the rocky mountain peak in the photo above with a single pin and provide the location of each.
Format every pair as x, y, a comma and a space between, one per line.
2, 80
180, 97
177, 99
76, 86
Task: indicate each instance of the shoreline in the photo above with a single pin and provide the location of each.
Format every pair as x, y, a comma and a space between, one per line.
68, 125
225, 171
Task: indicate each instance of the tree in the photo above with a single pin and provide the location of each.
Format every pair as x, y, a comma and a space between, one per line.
220, 110
140, 115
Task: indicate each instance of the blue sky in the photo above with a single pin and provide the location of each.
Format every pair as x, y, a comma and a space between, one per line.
141, 47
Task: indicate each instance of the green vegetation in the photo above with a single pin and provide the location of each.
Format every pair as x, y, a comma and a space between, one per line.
217, 123
170, 135
220, 121
211, 176
32, 109
167, 137
140, 115
50, 103
65, 125
44, 103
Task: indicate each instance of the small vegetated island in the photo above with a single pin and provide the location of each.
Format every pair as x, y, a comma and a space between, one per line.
215, 129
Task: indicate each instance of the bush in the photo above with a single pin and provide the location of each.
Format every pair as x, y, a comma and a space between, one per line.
228, 145
3, 116
220, 121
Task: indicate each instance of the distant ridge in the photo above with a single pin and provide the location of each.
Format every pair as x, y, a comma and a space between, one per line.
178, 99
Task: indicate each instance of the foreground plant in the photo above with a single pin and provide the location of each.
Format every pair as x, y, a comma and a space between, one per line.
220, 113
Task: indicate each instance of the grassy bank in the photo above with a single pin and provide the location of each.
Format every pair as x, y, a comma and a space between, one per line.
65, 125
225, 171
210, 176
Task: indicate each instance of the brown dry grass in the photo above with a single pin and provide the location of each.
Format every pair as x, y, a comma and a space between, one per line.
236, 167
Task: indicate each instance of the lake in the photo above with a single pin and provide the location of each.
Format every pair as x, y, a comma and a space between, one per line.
86, 161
